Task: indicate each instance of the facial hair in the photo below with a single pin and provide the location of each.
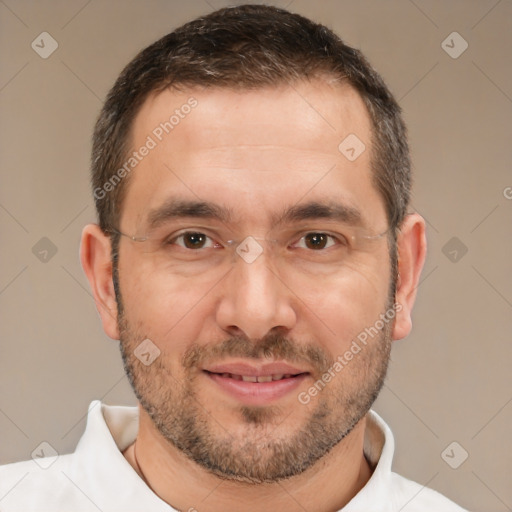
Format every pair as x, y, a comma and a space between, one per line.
255, 453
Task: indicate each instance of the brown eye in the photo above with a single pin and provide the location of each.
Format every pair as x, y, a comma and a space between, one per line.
317, 241
192, 240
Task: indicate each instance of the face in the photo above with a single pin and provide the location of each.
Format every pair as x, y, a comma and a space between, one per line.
246, 326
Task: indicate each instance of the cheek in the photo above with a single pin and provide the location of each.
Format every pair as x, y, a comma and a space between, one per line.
176, 310
344, 305
165, 308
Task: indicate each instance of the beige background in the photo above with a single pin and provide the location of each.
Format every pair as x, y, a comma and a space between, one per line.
449, 381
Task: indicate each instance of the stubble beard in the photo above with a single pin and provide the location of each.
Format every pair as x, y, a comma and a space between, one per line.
262, 451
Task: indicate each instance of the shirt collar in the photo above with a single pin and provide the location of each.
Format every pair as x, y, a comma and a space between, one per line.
379, 447
100, 467
102, 472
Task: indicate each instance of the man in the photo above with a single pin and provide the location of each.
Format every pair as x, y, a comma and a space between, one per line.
256, 258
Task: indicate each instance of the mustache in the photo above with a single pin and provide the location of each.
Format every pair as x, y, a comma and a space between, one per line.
274, 346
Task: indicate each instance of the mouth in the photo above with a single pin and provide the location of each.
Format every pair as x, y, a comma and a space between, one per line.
256, 385
257, 378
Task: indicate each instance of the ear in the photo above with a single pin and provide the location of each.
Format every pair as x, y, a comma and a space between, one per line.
95, 255
412, 249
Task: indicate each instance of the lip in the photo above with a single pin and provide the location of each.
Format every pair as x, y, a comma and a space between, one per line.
256, 393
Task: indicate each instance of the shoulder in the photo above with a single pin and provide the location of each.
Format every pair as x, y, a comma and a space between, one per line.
410, 496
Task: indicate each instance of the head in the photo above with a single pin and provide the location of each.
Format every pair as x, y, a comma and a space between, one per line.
245, 116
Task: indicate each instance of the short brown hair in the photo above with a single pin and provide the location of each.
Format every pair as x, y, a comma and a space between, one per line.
248, 47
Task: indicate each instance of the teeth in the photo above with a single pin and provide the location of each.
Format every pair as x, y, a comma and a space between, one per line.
253, 378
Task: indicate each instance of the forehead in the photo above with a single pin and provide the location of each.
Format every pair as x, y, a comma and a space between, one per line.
254, 151
310, 115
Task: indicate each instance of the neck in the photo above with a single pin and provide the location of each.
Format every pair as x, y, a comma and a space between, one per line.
328, 485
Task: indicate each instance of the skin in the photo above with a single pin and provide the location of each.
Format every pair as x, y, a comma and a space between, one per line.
256, 152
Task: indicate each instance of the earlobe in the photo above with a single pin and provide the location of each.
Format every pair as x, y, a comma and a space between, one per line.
412, 248
95, 255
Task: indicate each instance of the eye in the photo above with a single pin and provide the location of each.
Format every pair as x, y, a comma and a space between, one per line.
192, 240
318, 241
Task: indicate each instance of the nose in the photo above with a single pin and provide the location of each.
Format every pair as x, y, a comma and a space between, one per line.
255, 299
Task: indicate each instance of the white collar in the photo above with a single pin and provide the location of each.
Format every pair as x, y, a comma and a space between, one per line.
101, 466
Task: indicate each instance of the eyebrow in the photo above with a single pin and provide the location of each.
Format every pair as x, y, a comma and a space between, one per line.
180, 208
175, 208
313, 210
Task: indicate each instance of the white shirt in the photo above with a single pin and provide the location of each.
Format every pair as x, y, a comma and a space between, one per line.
98, 477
